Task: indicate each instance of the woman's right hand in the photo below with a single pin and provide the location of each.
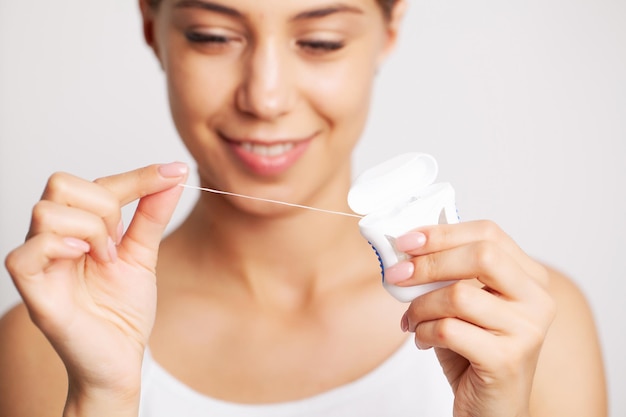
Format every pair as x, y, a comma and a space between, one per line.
90, 287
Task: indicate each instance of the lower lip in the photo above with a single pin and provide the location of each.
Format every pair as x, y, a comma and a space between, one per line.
270, 165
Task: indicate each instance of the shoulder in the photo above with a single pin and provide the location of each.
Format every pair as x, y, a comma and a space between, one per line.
570, 376
574, 319
32, 377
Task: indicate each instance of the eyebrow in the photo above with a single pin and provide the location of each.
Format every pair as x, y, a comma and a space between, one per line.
207, 5
326, 11
309, 14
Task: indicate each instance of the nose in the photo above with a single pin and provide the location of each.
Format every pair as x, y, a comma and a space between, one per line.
266, 90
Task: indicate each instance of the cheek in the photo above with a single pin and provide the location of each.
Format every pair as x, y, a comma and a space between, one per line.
186, 96
194, 94
342, 94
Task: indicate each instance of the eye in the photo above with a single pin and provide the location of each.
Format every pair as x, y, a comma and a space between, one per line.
198, 37
319, 46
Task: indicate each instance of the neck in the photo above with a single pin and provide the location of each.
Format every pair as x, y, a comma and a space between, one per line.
275, 253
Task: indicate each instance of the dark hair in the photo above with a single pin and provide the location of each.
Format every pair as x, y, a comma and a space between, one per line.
385, 5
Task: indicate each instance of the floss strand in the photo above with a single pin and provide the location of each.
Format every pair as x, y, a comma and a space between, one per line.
284, 203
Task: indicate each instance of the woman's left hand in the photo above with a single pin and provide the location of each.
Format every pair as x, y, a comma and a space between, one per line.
488, 328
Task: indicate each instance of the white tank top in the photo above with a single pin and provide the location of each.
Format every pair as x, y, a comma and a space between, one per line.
409, 383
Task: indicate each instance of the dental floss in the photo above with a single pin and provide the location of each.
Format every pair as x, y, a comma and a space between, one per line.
210, 190
397, 196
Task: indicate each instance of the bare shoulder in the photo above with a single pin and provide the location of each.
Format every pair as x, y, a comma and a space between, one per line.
33, 381
570, 377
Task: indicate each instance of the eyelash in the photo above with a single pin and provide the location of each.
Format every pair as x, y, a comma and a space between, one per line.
321, 46
314, 46
206, 38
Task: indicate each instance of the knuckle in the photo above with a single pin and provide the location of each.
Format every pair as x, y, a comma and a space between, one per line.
18, 262
440, 331
11, 262
491, 231
425, 266
444, 330
57, 183
458, 297
145, 177
147, 172
40, 213
436, 235
485, 254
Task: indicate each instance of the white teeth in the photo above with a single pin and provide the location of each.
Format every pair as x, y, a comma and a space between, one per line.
267, 150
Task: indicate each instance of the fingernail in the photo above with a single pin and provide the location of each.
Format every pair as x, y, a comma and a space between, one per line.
119, 232
77, 244
410, 241
404, 323
112, 250
399, 272
173, 170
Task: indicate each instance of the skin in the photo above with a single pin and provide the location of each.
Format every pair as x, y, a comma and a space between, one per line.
508, 334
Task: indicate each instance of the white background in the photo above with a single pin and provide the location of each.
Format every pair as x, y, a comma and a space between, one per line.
523, 103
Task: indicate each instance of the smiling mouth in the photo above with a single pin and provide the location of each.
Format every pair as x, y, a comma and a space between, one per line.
270, 150
268, 157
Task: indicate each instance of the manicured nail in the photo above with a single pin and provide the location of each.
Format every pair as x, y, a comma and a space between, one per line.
399, 272
112, 250
404, 323
173, 170
77, 244
410, 241
119, 232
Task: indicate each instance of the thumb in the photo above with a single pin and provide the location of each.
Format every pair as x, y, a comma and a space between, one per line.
148, 224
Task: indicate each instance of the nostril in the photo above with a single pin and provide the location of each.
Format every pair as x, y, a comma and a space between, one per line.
263, 103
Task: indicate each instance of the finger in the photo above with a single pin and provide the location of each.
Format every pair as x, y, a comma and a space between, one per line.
142, 182
148, 224
27, 263
69, 190
431, 239
469, 341
465, 302
489, 354
50, 217
483, 260
133, 185
41, 271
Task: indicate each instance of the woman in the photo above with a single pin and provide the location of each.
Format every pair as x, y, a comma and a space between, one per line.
265, 309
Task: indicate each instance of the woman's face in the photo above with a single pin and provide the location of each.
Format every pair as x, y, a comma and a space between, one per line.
270, 96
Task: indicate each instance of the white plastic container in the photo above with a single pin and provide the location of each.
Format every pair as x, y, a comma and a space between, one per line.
396, 197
